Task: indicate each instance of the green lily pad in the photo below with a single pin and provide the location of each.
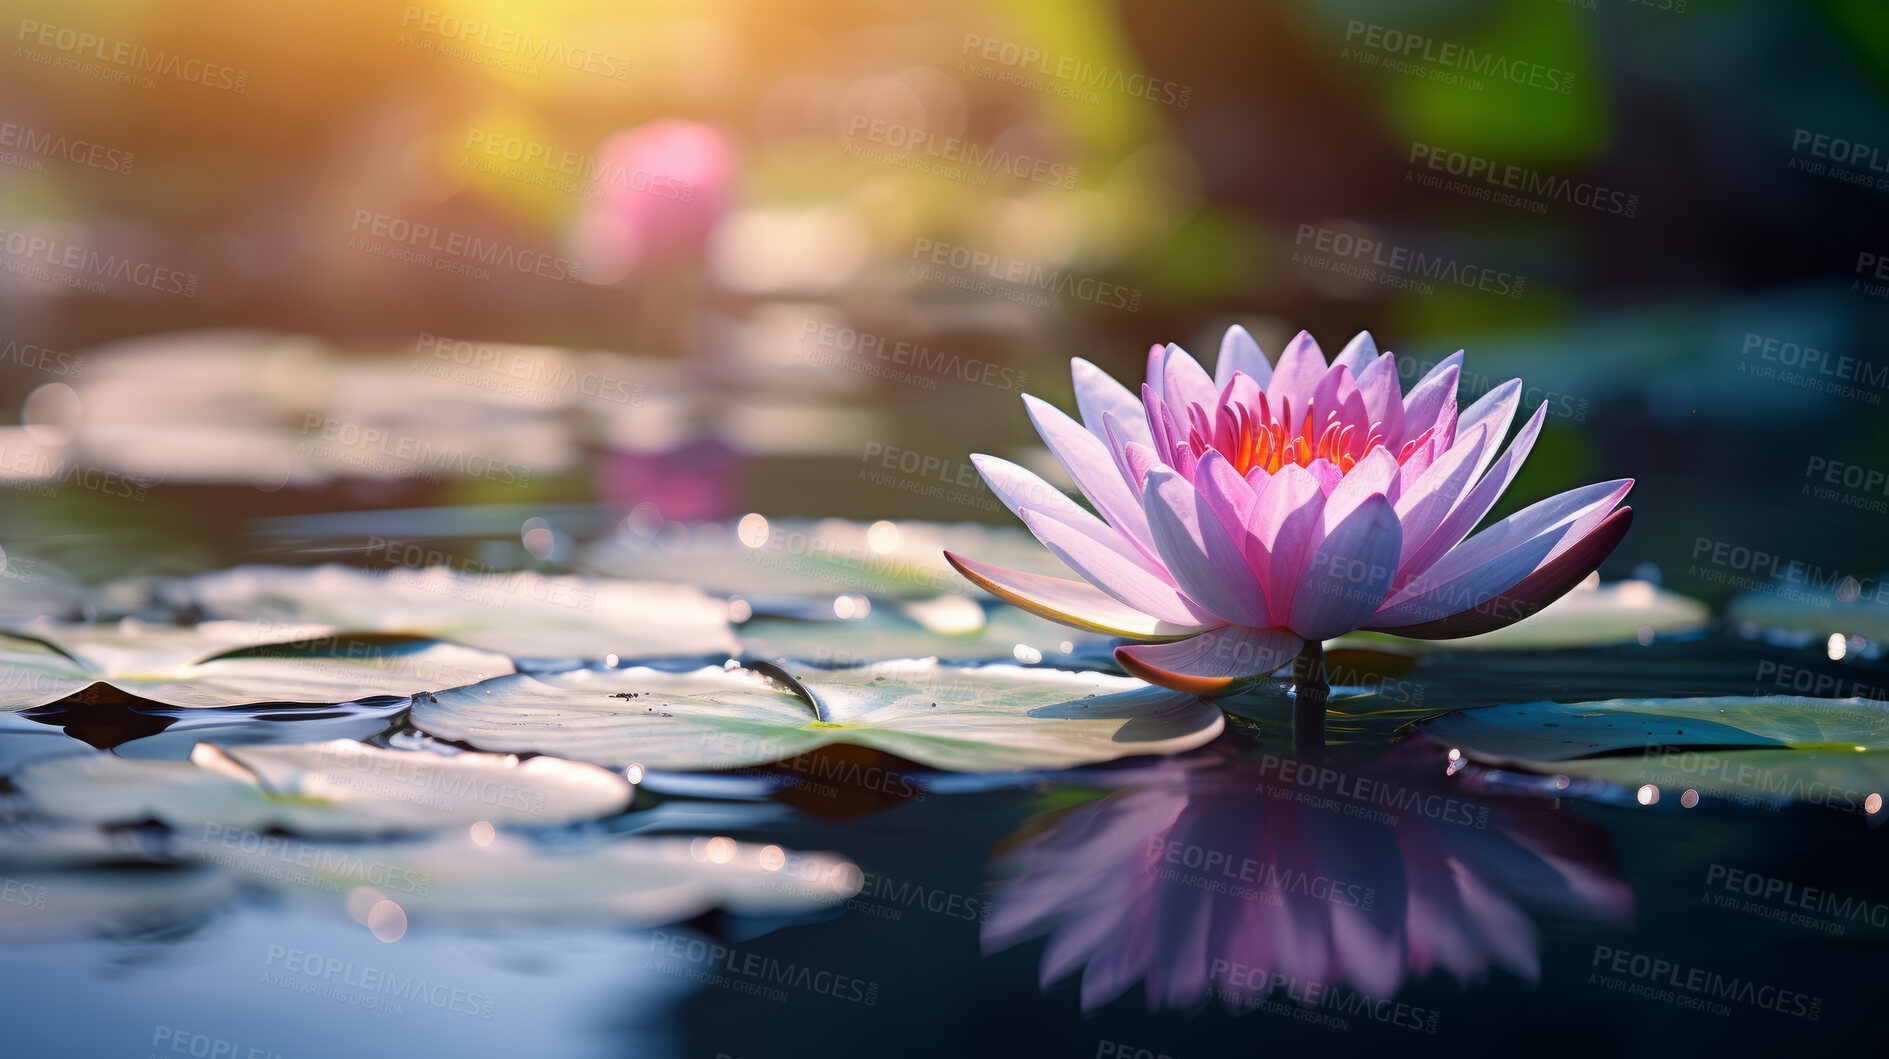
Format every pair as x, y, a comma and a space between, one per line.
961, 718
225, 663
337, 788
1770, 750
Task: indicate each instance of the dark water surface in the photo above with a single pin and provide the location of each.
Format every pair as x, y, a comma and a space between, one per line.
1235, 901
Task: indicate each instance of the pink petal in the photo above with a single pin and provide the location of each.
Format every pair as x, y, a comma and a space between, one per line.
1423, 504
1019, 489
1383, 401
1238, 352
1115, 573
1187, 383
1549, 582
1470, 510
1350, 572
1089, 463
1073, 603
1285, 528
1357, 354
1203, 558
1098, 394
1432, 403
1376, 473
1497, 408
1214, 662
1493, 561
1233, 500
1326, 473
1300, 367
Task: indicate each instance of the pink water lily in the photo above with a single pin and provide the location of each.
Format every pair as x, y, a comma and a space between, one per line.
1247, 514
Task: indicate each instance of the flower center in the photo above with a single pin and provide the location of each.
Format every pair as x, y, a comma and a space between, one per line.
1259, 440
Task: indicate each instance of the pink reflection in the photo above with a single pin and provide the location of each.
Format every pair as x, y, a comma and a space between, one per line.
662, 188
1274, 875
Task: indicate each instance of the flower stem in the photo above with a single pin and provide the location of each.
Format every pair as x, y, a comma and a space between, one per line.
1310, 694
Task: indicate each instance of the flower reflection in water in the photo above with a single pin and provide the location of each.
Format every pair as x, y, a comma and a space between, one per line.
1317, 879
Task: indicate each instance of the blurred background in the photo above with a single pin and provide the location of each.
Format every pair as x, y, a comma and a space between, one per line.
511, 279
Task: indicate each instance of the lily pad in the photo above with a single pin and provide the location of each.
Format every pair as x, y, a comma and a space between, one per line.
962, 718
1770, 750
523, 614
225, 663
335, 788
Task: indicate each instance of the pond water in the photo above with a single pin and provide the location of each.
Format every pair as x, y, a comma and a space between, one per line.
1233, 900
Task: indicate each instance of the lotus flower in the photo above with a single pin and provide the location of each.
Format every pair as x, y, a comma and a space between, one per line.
1246, 514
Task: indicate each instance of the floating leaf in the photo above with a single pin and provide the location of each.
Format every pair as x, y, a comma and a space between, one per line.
339, 787
1772, 750
225, 663
961, 718
523, 614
